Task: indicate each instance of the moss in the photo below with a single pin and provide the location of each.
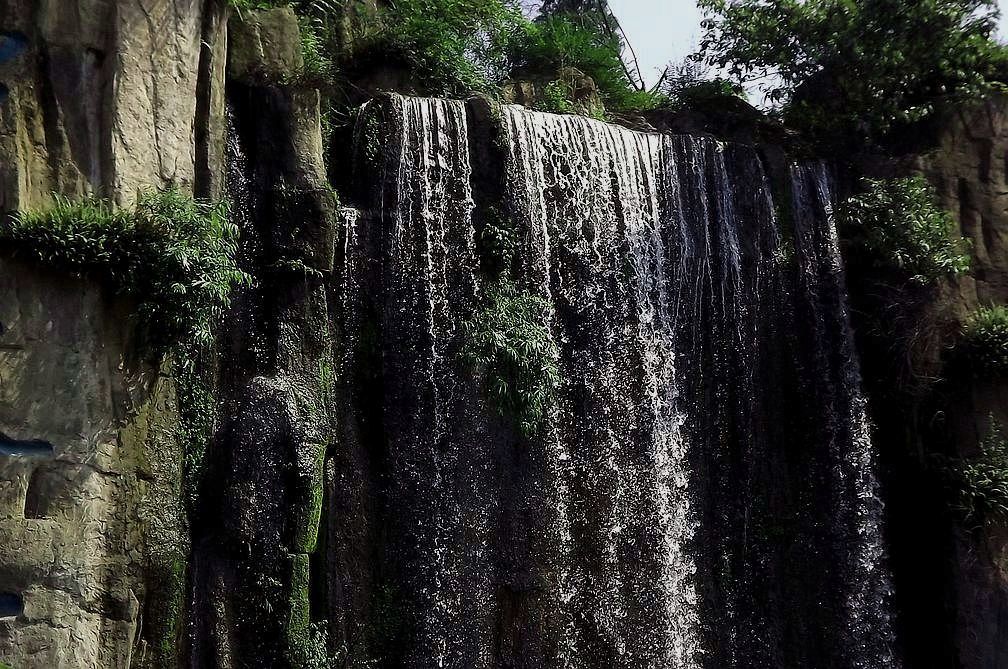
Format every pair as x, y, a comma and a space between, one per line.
197, 416
167, 625
298, 607
308, 515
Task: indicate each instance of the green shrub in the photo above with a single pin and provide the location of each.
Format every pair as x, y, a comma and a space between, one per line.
508, 341
985, 338
555, 98
450, 47
981, 482
315, 36
558, 41
901, 227
173, 255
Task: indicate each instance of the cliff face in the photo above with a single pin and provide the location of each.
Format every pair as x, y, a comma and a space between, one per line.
91, 527
106, 98
969, 168
699, 492
927, 403
110, 97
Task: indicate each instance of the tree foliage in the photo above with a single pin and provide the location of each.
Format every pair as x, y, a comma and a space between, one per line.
591, 45
451, 47
855, 68
899, 224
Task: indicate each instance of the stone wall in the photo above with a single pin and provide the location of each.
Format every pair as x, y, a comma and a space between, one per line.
90, 473
104, 98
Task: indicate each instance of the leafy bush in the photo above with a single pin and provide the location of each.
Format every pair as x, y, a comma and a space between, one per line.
558, 41
555, 98
451, 47
509, 341
899, 224
985, 338
981, 482
315, 36
174, 255
856, 68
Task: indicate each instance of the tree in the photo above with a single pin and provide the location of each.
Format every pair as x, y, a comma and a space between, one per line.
855, 67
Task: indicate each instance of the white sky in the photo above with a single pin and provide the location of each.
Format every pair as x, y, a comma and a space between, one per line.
664, 31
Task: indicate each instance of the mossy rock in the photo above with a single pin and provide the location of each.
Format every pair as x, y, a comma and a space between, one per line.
308, 515
298, 606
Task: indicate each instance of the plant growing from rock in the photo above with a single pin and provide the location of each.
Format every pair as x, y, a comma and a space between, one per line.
899, 225
985, 340
981, 482
173, 255
508, 342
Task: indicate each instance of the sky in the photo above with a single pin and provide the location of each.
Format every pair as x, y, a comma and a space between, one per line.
664, 31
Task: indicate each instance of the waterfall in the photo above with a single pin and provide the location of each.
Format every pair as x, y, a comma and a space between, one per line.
702, 491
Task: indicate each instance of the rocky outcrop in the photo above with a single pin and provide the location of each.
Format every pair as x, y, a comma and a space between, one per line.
254, 546
92, 542
104, 98
969, 169
927, 404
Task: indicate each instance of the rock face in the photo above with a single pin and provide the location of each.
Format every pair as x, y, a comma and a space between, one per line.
92, 543
951, 589
969, 168
256, 533
104, 98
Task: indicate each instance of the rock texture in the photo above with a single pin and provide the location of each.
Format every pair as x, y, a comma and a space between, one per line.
262, 492
104, 99
969, 168
107, 97
91, 532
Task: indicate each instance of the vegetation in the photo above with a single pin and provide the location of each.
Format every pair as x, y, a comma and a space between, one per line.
898, 223
508, 340
450, 47
172, 254
687, 86
981, 482
985, 339
309, 648
854, 70
588, 43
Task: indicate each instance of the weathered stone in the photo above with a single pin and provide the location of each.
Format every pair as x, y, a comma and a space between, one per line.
82, 529
578, 90
264, 46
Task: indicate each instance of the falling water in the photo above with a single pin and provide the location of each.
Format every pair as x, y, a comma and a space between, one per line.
702, 495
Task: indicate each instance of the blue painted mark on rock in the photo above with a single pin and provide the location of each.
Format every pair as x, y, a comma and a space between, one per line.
11, 45
11, 605
30, 448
